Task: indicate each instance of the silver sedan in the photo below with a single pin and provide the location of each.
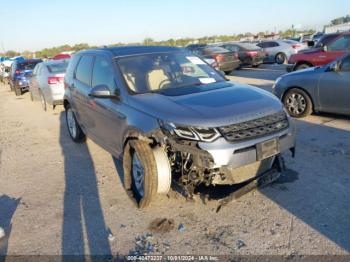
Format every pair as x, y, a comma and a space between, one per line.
277, 51
47, 83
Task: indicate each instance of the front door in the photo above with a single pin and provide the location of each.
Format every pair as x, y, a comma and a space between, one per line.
334, 89
107, 113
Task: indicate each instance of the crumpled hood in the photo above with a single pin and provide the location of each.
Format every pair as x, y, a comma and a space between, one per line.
219, 107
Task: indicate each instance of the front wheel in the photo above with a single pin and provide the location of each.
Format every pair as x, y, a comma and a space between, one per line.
302, 66
74, 129
147, 172
298, 103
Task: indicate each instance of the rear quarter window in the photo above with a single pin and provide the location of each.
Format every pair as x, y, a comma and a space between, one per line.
83, 71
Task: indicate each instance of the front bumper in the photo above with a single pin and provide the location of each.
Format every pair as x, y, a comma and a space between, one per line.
236, 155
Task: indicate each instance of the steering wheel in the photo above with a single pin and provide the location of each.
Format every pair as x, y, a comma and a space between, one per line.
163, 83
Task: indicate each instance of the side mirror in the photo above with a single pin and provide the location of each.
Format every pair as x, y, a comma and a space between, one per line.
310, 43
102, 91
334, 67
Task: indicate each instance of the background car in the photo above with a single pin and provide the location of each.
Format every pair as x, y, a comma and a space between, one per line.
329, 48
20, 73
324, 89
296, 45
249, 54
226, 60
47, 82
277, 51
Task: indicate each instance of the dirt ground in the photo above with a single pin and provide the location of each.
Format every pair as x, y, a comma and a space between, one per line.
57, 197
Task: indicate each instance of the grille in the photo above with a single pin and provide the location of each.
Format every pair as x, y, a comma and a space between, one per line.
255, 128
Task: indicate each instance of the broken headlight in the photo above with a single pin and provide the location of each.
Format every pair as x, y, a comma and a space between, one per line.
192, 133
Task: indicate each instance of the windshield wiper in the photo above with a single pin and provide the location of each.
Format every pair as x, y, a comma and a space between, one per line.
192, 84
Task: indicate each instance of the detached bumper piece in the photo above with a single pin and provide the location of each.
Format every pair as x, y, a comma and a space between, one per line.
261, 180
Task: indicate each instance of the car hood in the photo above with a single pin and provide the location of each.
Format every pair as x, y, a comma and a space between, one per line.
219, 107
306, 71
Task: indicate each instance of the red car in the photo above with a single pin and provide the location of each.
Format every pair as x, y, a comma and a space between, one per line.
324, 54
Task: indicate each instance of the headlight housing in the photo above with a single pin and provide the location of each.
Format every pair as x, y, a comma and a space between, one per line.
191, 133
276, 82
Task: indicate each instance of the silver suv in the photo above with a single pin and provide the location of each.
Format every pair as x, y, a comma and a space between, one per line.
173, 118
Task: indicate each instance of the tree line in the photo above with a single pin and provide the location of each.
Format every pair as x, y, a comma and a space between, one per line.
50, 52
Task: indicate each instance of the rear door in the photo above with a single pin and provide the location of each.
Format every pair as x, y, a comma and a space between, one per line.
107, 114
80, 90
334, 89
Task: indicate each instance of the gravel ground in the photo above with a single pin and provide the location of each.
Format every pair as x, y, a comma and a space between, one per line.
57, 197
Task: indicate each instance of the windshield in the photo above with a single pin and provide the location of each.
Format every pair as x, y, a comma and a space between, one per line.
57, 68
160, 71
27, 65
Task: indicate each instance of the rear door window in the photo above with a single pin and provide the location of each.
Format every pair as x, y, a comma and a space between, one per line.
103, 73
83, 71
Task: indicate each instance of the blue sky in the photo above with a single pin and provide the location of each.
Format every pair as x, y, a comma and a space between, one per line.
36, 24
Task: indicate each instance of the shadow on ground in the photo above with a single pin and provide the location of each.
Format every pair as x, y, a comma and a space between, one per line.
83, 216
8, 206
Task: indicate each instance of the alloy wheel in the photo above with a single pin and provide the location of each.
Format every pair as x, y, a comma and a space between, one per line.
296, 104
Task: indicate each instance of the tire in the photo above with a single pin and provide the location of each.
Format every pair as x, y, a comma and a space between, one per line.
302, 66
298, 103
228, 72
43, 101
140, 173
18, 91
74, 129
31, 96
280, 58
256, 66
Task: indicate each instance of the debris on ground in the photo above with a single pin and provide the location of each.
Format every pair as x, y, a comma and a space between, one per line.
240, 243
144, 245
111, 237
162, 225
2, 233
181, 228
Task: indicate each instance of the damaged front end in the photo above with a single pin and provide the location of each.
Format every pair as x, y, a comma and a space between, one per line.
226, 155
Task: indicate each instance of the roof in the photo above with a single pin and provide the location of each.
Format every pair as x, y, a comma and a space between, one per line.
29, 61
135, 50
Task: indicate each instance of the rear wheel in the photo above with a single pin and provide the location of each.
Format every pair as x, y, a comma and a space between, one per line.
74, 129
18, 91
280, 58
298, 103
31, 96
302, 66
43, 101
